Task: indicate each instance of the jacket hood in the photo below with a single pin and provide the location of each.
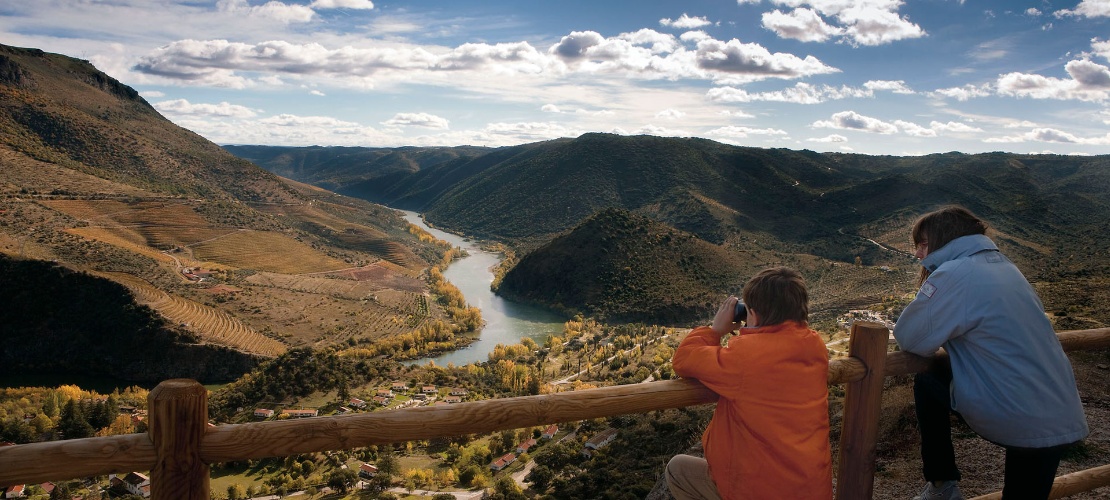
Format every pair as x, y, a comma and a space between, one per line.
957, 248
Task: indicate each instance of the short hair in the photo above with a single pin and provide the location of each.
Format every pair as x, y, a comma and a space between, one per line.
939, 227
777, 294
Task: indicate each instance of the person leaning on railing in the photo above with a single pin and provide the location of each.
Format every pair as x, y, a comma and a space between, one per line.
1009, 378
769, 436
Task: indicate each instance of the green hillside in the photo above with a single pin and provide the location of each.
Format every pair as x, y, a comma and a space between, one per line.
625, 267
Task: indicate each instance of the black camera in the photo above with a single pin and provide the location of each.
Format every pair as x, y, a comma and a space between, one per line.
741, 312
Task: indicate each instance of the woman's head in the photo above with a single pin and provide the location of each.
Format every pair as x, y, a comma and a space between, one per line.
935, 229
777, 294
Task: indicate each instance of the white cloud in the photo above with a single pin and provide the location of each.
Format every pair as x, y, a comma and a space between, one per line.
1051, 135
913, 129
529, 131
272, 10
755, 61
1087, 8
896, 86
685, 22
1101, 48
343, 4
1089, 82
670, 114
874, 26
861, 22
317, 93
1019, 124
694, 36
966, 92
288, 120
660, 43
661, 131
223, 109
832, 138
955, 127
550, 108
152, 94
417, 120
800, 93
1033, 11
735, 113
742, 132
850, 120
800, 24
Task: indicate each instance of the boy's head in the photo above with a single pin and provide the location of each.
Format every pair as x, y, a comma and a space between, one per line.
777, 294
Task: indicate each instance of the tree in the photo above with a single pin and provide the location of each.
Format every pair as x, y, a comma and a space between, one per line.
72, 424
540, 477
236, 492
342, 479
507, 489
388, 465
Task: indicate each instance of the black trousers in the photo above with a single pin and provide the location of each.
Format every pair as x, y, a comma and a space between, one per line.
1029, 471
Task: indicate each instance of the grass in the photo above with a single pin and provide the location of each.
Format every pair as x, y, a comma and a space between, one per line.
267, 251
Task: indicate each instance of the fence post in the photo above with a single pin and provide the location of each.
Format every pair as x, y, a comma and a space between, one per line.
178, 421
862, 404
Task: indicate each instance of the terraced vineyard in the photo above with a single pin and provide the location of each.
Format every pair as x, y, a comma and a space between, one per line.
121, 237
265, 251
214, 326
345, 288
160, 224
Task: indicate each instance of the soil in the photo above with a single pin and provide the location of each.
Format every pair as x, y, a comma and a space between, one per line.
898, 470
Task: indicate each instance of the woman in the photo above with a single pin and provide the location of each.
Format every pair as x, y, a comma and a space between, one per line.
1009, 377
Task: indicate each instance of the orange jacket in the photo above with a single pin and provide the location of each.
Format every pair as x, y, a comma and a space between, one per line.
769, 436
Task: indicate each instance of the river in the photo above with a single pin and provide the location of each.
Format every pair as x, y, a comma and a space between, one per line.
506, 322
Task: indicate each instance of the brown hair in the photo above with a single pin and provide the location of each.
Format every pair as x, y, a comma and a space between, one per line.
939, 227
777, 294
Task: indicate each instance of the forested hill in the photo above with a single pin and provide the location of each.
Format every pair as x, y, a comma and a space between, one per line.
801, 201
628, 268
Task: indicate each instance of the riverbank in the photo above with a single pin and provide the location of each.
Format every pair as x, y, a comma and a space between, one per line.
506, 322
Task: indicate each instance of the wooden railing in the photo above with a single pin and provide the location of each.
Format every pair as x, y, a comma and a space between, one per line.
179, 444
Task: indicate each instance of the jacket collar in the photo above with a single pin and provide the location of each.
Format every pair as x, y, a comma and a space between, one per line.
957, 248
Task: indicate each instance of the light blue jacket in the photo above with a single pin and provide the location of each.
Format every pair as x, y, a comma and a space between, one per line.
1010, 378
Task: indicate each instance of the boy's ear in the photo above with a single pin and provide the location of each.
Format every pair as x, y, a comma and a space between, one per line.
753, 318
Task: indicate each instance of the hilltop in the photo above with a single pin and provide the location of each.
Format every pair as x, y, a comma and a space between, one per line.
224, 253
817, 211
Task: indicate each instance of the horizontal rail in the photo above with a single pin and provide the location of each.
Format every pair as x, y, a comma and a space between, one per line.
37, 462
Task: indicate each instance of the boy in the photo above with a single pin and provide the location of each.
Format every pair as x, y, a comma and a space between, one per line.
769, 436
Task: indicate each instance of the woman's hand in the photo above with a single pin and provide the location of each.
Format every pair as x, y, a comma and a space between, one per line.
723, 321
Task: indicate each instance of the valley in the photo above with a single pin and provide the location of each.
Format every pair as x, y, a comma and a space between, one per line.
134, 249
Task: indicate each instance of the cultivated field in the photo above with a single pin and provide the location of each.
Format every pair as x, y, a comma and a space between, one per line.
266, 251
212, 325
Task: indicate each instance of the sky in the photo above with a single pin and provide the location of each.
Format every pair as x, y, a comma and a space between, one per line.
879, 77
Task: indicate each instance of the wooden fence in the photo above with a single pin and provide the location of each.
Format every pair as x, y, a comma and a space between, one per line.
179, 444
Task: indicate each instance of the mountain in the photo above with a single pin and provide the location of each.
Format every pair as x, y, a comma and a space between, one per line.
336, 167
228, 256
819, 210
625, 267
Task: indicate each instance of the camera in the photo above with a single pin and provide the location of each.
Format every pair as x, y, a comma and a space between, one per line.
741, 312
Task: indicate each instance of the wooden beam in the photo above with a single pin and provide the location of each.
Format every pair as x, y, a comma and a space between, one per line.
178, 421
288, 437
859, 435
1070, 484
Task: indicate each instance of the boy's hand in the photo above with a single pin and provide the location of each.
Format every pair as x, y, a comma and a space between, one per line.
722, 321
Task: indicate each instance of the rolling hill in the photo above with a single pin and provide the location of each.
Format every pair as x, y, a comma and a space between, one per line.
228, 255
818, 210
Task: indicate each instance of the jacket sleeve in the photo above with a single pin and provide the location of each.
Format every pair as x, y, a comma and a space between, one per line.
700, 356
936, 315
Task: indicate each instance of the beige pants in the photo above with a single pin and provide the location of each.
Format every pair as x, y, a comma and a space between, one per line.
688, 479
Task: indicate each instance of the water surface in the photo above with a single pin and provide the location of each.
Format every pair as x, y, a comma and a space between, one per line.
506, 322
